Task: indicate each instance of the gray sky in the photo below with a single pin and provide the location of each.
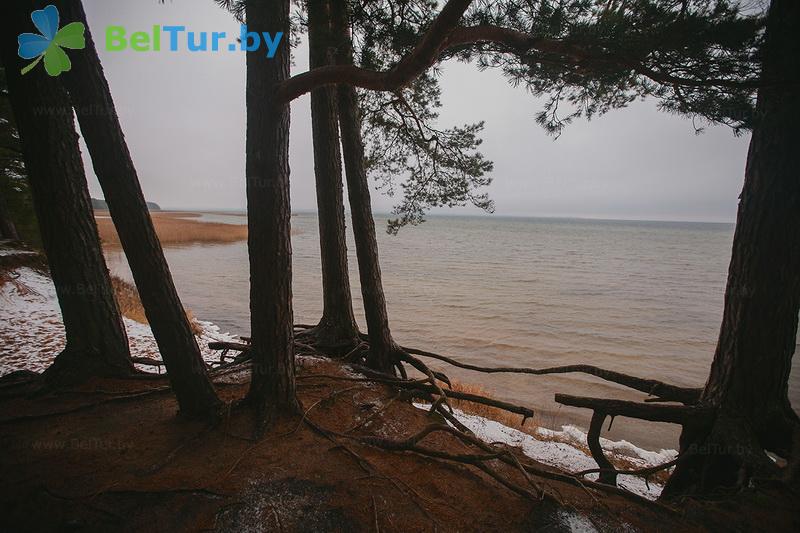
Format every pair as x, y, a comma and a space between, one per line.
183, 114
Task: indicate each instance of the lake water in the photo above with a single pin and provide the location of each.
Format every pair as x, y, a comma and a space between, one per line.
640, 297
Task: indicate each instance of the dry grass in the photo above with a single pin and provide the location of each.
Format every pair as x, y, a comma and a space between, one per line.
24, 259
486, 411
131, 306
175, 229
128, 300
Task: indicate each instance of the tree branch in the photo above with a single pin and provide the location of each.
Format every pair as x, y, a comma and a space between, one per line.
420, 59
445, 37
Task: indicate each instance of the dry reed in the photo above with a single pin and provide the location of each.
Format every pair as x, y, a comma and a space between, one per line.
175, 229
131, 306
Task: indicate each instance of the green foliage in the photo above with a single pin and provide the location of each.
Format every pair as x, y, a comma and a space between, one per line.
698, 58
14, 188
438, 167
406, 148
237, 8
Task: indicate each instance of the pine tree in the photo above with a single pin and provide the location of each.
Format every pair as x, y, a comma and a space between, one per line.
272, 388
96, 340
97, 116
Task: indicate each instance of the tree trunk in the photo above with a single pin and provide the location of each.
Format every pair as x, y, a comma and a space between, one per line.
7, 228
748, 382
116, 173
383, 350
272, 389
338, 324
96, 339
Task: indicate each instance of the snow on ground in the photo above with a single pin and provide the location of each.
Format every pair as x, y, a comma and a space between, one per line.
8, 252
32, 333
559, 449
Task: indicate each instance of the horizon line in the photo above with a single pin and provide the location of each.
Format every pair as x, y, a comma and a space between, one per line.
241, 210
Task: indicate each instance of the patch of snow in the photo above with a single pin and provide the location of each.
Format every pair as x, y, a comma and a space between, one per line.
560, 449
575, 523
32, 332
9, 251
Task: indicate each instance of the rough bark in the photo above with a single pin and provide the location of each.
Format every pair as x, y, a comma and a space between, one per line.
117, 175
7, 228
337, 327
272, 389
383, 350
96, 339
748, 382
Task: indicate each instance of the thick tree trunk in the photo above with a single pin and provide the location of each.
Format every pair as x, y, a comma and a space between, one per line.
116, 173
383, 350
337, 328
7, 228
272, 390
748, 382
96, 339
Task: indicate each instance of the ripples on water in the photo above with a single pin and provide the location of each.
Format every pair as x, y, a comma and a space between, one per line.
639, 297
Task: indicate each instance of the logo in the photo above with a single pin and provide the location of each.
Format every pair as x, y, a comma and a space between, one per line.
50, 43
177, 38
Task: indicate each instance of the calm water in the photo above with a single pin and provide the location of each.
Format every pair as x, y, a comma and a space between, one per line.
639, 297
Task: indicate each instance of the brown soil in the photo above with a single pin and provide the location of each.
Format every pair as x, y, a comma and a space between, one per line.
112, 455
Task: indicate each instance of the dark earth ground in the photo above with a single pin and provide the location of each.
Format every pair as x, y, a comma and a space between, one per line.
111, 455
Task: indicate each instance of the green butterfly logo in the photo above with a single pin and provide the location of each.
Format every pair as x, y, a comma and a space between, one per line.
50, 43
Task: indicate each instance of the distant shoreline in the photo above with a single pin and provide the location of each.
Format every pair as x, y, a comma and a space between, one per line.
181, 228
482, 216
177, 228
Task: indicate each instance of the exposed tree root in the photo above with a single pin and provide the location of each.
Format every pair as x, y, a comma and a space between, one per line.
370, 469
73, 366
113, 399
423, 389
644, 473
664, 391
676, 414
722, 455
333, 339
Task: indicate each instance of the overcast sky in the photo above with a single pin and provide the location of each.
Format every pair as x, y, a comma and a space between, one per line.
183, 114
